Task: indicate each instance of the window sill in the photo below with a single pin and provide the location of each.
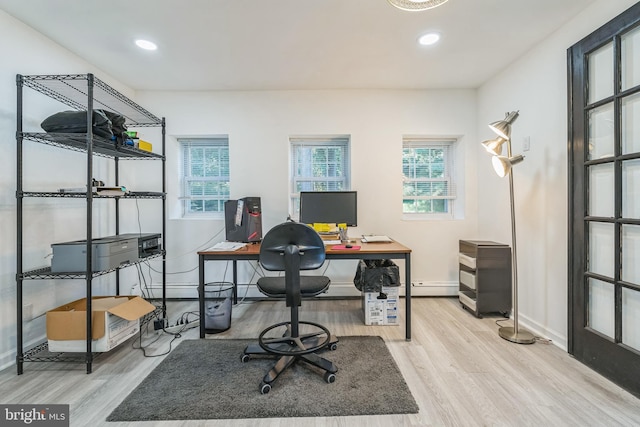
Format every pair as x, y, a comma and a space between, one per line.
428, 217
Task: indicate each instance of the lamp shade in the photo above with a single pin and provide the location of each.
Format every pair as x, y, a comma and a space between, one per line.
494, 146
502, 165
503, 127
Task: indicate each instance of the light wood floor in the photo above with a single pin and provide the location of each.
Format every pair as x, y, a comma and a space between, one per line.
458, 369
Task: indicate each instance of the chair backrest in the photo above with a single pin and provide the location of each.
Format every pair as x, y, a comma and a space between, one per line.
292, 235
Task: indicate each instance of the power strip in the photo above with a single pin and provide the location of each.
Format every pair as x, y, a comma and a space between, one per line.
181, 328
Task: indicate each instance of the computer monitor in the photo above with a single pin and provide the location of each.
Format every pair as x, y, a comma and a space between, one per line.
329, 207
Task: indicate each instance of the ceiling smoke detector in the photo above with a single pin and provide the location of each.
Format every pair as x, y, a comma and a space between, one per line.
415, 5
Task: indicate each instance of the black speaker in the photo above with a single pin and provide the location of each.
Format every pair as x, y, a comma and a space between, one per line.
243, 220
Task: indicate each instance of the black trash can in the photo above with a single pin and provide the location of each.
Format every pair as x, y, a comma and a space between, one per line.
218, 297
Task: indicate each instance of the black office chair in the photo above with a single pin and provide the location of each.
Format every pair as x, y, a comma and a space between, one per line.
291, 247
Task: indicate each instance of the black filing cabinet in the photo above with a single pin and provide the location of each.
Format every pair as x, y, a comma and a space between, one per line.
485, 277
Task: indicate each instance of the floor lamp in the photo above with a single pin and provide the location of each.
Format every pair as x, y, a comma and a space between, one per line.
502, 166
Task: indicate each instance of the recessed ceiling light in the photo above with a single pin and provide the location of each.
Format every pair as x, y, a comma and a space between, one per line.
146, 44
429, 39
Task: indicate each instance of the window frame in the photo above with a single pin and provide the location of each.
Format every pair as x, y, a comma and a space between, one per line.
317, 141
217, 142
450, 176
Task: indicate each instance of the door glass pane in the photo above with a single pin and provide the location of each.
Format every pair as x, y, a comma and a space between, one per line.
631, 124
631, 318
601, 240
601, 73
631, 189
631, 59
631, 254
601, 308
601, 132
601, 194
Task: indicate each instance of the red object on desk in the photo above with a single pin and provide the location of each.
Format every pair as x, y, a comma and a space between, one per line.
343, 247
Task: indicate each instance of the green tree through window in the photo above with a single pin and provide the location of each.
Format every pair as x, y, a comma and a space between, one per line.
426, 170
318, 164
205, 175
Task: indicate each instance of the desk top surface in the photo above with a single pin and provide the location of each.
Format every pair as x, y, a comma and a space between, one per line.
367, 248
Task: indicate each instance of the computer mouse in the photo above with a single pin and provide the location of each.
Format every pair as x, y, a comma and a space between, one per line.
348, 246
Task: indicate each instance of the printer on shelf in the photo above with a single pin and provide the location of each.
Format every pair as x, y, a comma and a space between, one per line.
148, 243
106, 253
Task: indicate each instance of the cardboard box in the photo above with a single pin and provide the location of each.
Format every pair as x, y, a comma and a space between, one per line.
115, 319
382, 311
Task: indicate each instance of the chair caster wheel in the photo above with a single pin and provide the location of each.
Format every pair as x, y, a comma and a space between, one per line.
245, 358
329, 377
265, 388
333, 347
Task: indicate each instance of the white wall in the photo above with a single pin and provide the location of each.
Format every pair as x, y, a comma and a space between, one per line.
537, 86
259, 125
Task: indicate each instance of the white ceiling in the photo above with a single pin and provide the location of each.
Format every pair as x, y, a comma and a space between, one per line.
295, 44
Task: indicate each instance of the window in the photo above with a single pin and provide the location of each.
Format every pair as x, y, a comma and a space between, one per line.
205, 176
427, 169
318, 164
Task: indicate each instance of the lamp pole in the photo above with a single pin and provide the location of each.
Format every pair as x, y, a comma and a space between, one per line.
512, 333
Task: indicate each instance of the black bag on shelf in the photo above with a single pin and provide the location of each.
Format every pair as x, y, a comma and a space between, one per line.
373, 274
118, 126
76, 122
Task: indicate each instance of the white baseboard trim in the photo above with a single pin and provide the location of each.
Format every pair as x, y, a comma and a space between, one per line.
8, 358
537, 329
434, 289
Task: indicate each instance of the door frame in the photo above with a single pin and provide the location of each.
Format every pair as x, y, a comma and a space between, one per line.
611, 359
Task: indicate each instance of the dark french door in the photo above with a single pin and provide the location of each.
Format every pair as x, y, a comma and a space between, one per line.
604, 200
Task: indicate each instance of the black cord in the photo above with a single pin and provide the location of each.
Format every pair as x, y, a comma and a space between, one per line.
143, 348
501, 320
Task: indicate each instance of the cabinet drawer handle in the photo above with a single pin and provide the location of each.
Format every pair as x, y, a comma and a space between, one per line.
468, 279
467, 260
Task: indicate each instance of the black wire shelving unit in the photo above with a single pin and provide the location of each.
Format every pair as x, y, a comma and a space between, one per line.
82, 92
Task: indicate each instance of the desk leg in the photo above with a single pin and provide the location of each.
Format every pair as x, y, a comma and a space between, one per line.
407, 275
235, 282
201, 293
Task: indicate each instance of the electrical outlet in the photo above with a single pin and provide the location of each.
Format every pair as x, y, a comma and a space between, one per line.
135, 289
526, 143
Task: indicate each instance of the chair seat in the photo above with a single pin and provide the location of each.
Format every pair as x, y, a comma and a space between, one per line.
310, 286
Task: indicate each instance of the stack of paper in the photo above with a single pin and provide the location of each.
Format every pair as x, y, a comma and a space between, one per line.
376, 239
331, 242
227, 246
110, 191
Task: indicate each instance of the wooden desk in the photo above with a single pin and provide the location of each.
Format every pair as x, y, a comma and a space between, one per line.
251, 252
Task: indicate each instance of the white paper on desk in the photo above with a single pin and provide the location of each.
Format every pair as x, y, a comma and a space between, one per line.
227, 246
331, 242
376, 239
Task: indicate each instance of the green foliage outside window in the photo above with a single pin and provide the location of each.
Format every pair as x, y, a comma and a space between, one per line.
206, 175
426, 184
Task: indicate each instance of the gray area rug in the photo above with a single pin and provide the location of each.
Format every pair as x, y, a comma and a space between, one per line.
205, 379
